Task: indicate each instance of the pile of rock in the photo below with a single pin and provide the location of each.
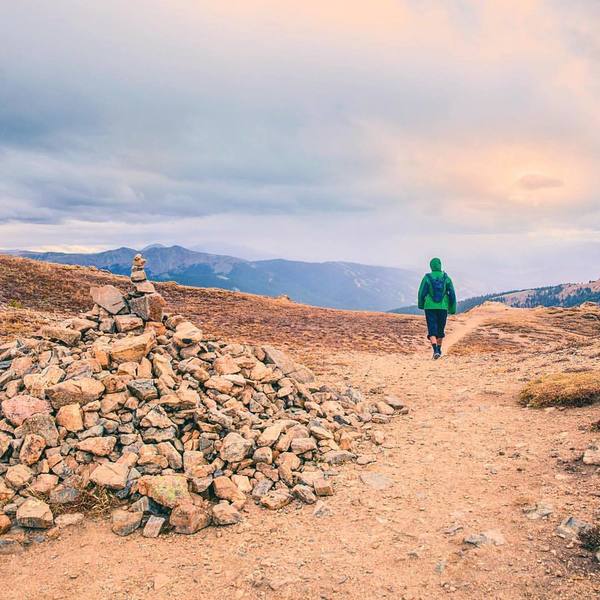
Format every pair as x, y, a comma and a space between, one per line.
182, 429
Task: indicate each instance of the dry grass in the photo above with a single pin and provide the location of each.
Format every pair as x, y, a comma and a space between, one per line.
562, 389
93, 501
21, 322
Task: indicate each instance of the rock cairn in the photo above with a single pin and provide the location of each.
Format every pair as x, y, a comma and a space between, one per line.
182, 429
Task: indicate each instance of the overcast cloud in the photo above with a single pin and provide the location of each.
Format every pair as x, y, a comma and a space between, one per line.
380, 132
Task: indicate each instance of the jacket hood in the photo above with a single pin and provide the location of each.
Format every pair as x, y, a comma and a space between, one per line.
435, 264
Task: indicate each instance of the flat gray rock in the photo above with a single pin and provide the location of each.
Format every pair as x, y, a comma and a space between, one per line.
377, 481
492, 537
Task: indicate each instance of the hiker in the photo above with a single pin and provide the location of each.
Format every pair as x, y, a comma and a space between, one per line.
437, 298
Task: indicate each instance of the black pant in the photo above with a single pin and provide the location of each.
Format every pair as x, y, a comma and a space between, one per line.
436, 322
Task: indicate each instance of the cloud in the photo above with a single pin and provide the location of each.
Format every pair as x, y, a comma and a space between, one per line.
535, 181
377, 128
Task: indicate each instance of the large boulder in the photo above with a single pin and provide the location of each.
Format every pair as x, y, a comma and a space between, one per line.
226, 365
303, 444
81, 324
144, 287
21, 407
288, 366
234, 447
35, 513
143, 389
225, 514
276, 499
69, 337
186, 334
37, 383
148, 307
109, 298
225, 489
592, 456
220, 384
21, 366
42, 424
167, 490
125, 323
44, 483
6, 493
5, 443
75, 391
280, 359
18, 476
188, 518
5, 524
157, 417
173, 457
132, 348
270, 435
162, 366
70, 417
32, 448
111, 475
99, 446
124, 522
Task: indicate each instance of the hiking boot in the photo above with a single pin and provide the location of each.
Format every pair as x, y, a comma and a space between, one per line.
436, 355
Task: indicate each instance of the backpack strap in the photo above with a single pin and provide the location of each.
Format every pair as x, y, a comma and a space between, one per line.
445, 282
430, 282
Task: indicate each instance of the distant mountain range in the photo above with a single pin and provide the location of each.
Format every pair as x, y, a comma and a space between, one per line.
564, 295
330, 284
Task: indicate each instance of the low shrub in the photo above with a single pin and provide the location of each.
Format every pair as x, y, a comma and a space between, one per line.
562, 389
590, 538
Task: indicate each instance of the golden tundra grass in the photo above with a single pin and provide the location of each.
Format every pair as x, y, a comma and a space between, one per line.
562, 389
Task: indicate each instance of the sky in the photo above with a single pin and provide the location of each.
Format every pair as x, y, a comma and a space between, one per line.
381, 132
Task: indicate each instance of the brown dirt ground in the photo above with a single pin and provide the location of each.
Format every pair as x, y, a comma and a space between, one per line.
466, 459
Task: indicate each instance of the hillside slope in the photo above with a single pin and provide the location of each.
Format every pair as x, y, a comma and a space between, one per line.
565, 295
51, 289
331, 284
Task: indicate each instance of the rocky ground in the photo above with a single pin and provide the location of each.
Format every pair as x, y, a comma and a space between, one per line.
464, 498
133, 407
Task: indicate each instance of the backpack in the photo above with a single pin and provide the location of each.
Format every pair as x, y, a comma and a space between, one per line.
437, 287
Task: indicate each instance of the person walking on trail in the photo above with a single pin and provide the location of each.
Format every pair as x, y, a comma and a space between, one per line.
438, 299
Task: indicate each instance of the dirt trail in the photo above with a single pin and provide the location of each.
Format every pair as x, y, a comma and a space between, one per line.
460, 326
461, 329
466, 460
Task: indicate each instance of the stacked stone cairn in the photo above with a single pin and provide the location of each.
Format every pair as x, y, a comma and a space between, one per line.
182, 430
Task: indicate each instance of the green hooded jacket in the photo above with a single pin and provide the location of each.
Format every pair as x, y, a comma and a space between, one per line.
426, 301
